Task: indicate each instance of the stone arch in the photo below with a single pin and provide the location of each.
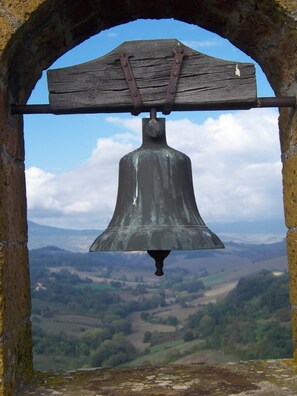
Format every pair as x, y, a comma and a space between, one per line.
33, 34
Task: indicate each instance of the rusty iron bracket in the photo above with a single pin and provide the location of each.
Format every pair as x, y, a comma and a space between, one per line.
134, 91
177, 62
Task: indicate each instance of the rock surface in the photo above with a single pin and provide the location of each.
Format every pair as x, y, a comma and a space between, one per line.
269, 378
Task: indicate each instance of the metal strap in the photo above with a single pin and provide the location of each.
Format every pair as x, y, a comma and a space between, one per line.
135, 94
169, 100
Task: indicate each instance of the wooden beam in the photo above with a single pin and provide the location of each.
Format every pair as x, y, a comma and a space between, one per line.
101, 83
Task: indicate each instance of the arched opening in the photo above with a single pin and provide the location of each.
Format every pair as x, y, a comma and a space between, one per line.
188, 133
264, 31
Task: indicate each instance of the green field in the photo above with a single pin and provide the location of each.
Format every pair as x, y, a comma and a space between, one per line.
167, 352
218, 278
102, 286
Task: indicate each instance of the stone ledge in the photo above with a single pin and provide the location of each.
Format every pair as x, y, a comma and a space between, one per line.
267, 378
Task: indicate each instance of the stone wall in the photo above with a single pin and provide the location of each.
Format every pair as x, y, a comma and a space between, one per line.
33, 33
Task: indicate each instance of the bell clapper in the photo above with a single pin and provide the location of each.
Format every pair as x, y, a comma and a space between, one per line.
159, 256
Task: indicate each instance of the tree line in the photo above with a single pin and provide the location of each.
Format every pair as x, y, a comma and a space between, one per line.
252, 322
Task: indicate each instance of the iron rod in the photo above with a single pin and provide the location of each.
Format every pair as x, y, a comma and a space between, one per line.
31, 109
289, 101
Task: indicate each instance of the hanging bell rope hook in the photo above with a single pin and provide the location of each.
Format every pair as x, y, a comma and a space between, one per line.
155, 127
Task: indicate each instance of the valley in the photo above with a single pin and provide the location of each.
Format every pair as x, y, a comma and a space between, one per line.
82, 302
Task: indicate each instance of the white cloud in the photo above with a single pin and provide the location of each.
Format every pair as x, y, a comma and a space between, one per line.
111, 34
81, 198
196, 44
236, 164
131, 126
236, 171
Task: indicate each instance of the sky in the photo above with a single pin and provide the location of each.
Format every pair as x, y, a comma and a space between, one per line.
72, 160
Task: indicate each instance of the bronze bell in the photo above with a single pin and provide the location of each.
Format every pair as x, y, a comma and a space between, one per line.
156, 208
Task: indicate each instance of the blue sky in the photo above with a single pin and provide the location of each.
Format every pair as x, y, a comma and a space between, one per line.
72, 161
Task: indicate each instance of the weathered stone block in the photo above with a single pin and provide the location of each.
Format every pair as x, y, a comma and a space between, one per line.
292, 246
14, 287
287, 5
292, 262
16, 359
12, 141
290, 190
288, 129
293, 285
15, 326
294, 330
13, 223
6, 30
20, 9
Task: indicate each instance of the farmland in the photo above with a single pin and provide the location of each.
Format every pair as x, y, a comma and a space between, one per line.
85, 306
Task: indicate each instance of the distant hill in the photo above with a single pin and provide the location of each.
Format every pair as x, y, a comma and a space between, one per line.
63, 247
253, 232
225, 265
71, 240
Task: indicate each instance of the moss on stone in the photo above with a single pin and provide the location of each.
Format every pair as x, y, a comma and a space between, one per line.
273, 377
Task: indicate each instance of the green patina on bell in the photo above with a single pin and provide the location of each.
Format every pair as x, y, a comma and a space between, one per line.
156, 209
